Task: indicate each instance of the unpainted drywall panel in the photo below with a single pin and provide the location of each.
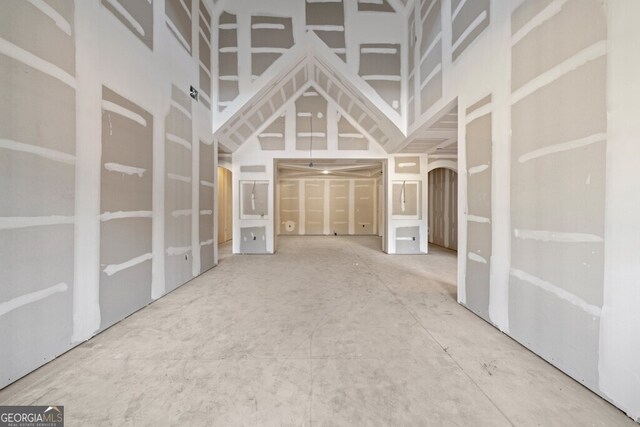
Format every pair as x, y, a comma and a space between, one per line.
204, 50
349, 138
364, 206
339, 207
559, 331
125, 204
469, 20
178, 202
478, 148
477, 275
587, 29
314, 207
380, 67
272, 138
254, 199
479, 215
374, 6
253, 240
206, 205
37, 176
228, 86
431, 92
136, 16
327, 20
311, 121
408, 240
406, 199
429, 55
178, 19
289, 207
270, 36
558, 184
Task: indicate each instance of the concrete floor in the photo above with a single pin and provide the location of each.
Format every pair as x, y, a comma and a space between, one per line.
329, 331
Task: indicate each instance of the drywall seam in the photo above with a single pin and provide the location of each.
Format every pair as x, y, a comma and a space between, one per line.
46, 153
12, 304
127, 170
178, 140
478, 219
112, 269
176, 177
12, 51
564, 146
591, 53
58, 19
108, 216
126, 15
556, 236
476, 114
559, 292
477, 258
124, 112
477, 169
476, 22
547, 13
178, 250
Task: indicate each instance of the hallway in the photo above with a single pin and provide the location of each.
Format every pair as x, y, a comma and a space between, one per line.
329, 331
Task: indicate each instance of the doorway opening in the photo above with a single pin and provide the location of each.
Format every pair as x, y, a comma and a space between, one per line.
225, 206
331, 197
443, 208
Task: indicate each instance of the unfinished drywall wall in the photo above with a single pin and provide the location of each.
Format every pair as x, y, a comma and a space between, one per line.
311, 121
178, 197
558, 167
289, 207
468, 20
429, 77
126, 207
478, 206
37, 176
339, 206
270, 37
443, 208
255, 34
228, 74
314, 212
535, 202
95, 117
327, 206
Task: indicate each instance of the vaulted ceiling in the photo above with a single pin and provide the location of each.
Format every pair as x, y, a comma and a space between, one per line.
334, 47
309, 63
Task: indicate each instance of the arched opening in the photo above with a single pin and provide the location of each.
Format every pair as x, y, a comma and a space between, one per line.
443, 208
